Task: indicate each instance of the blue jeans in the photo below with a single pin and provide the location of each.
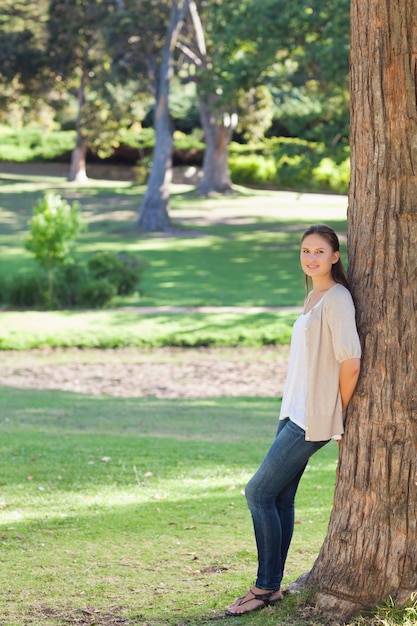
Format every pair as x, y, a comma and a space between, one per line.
270, 495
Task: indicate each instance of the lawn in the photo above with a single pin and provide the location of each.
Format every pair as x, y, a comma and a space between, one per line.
134, 507
239, 251
130, 510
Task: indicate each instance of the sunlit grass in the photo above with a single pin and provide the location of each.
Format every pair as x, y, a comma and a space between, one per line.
127, 508
116, 328
137, 504
243, 258
246, 261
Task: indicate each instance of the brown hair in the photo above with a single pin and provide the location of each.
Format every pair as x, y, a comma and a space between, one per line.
338, 271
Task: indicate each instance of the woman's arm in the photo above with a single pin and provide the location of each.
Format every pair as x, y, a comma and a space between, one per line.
349, 374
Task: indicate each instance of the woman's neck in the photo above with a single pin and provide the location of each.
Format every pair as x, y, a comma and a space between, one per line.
323, 285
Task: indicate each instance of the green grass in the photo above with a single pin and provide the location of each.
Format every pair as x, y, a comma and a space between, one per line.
132, 509
139, 515
236, 258
33, 144
116, 328
215, 264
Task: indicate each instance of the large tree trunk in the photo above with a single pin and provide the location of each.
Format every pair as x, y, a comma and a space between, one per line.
218, 130
370, 552
217, 126
153, 213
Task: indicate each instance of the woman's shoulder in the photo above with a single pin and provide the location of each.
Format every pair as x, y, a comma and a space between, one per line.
339, 295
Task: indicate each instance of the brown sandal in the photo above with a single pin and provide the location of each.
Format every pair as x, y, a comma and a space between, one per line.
261, 597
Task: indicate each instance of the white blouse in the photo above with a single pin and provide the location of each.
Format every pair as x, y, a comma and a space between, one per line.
294, 400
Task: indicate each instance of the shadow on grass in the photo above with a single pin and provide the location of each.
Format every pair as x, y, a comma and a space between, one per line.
133, 507
218, 263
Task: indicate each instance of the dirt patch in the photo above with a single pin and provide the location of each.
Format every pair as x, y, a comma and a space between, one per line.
161, 373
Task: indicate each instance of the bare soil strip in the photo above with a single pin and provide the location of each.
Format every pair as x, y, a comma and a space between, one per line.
160, 373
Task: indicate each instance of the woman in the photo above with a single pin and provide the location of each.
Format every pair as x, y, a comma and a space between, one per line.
322, 375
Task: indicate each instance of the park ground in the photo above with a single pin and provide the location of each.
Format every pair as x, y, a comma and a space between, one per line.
172, 372
89, 434
160, 373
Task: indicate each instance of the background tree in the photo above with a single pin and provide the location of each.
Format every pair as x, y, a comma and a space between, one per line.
370, 552
310, 80
238, 47
22, 43
84, 59
153, 214
231, 47
76, 49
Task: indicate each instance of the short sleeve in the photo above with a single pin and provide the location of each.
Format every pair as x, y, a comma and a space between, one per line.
340, 315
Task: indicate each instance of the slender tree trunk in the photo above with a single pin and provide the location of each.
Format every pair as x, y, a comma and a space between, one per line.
370, 552
78, 172
153, 213
218, 130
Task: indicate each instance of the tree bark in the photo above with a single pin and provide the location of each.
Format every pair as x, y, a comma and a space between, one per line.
217, 126
370, 552
218, 130
78, 172
153, 213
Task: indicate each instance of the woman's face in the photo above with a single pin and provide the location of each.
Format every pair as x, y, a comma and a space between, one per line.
317, 256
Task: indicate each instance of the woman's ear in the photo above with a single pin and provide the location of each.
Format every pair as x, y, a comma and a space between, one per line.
336, 257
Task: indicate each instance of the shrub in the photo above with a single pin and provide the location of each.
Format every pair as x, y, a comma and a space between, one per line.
290, 163
53, 228
332, 176
123, 270
96, 293
74, 287
252, 169
28, 290
69, 284
142, 170
294, 172
31, 143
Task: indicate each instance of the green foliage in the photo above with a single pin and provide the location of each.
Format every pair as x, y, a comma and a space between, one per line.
96, 293
123, 270
332, 176
275, 161
252, 169
32, 143
53, 229
389, 614
70, 280
22, 26
51, 51
75, 286
183, 106
27, 290
290, 164
91, 285
189, 143
309, 112
256, 112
